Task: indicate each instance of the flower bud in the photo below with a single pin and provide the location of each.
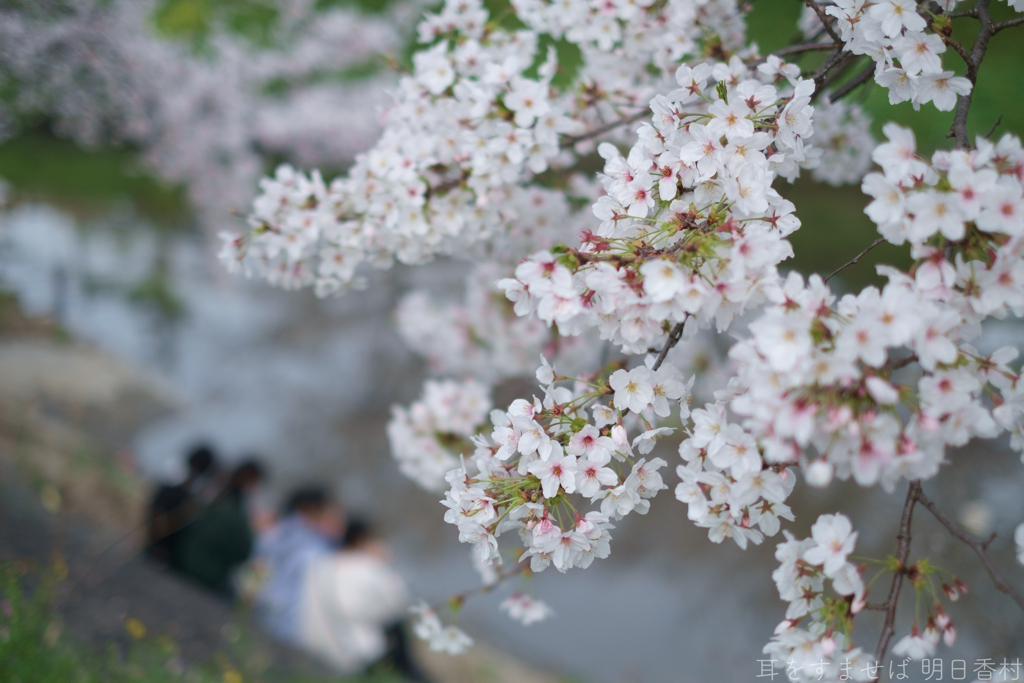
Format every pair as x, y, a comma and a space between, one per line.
786, 625
931, 632
949, 635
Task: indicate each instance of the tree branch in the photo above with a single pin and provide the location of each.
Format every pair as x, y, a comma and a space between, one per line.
846, 59
979, 547
963, 104
853, 83
797, 49
902, 551
855, 259
601, 130
673, 339
960, 50
826, 22
895, 364
995, 125
1016, 21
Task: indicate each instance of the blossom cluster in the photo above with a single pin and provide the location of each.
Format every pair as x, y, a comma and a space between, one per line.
543, 455
906, 48
816, 379
450, 639
726, 484
691, 229
427, 438
821, 650
525, 609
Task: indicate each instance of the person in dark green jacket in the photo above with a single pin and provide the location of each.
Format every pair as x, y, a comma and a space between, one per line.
220, 538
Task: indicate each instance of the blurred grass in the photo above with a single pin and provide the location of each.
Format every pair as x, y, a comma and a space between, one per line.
40, 166
34, 647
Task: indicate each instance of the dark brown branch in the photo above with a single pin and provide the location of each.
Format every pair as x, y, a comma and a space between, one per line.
846, 59
826, 21
673, 339
963, 104
855, 259
831, 61
797, 49
960, 50
902, 551
853, 83
979, 547
1016, 21
897, 363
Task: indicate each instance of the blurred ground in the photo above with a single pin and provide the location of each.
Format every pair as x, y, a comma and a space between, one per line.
69, 494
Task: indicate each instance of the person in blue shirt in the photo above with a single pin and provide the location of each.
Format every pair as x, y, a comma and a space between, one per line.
311, 526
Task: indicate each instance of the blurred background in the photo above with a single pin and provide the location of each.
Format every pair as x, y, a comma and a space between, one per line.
132, 133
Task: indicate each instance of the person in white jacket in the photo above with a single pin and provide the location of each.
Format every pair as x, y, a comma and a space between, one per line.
351, 606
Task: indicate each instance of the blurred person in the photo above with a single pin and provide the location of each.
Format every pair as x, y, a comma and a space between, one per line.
174, 506
351, 605
220, 539
262, 513
312, 523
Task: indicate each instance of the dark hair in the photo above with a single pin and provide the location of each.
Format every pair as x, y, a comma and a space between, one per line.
307, 499
357, 531
201, 460
249, 472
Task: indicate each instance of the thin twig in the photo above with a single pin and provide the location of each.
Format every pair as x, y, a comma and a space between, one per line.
501, 578
837, 71
855, 259
833, 58
795, 50
979, 548
826, 22
852, 84
896, 363
601, 130
673, 339
902, 551
960, 50
993, 128
802, 47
